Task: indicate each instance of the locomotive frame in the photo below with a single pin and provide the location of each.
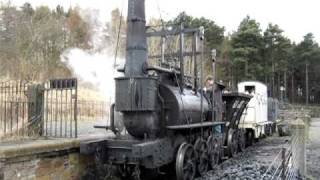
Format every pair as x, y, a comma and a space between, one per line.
169, 122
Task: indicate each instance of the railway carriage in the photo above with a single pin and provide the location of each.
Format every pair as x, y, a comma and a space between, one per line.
259, 118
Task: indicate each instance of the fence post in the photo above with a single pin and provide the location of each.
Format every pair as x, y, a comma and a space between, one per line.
283, 155
299, 146
76, 108
35, 109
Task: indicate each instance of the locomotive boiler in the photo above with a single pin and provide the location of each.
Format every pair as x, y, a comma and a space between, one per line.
170, 119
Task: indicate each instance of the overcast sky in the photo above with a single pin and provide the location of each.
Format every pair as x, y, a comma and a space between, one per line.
295, 17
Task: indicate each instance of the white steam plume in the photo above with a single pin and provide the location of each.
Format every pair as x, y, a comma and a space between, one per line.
94, 68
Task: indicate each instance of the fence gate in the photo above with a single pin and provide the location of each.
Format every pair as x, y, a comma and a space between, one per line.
59, 108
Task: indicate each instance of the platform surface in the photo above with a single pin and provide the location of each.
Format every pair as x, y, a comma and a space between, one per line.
25, 147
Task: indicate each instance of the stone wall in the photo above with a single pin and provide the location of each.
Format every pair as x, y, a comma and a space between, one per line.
51, 164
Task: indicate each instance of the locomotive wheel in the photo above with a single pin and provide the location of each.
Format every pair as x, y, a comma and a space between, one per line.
125, 171
266, 131
214, 150
186, 162
232, 143
249, 139
242, 141
201, 149
270, 130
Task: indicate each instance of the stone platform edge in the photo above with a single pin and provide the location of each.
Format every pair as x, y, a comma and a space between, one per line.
39, 146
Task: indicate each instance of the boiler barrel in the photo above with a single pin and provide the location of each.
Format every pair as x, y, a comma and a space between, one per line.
181, 109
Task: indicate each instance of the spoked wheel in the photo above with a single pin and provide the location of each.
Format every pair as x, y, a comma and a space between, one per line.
242, 141
186, 162
201, 149
232, 143
213, 151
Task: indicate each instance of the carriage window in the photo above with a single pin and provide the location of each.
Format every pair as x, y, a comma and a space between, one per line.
250, 89
217, 129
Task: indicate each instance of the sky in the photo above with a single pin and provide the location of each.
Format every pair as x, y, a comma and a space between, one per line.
295, 17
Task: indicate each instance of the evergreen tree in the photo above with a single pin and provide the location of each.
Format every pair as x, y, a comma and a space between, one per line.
246, 45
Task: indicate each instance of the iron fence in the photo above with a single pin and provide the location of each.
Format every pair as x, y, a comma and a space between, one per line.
282, 167
14, 103
51, 109
289, 164
92, 110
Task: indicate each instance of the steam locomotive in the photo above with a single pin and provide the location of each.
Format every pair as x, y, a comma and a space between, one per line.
170, 121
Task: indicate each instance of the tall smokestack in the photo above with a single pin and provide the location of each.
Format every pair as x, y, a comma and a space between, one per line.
136, 93
136, 50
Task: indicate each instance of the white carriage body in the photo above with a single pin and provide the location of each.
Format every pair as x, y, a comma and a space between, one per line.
256, 115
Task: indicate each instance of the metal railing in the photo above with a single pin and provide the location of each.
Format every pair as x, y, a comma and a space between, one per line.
51, 109
92, 110
289, 163
14, 103
281, 167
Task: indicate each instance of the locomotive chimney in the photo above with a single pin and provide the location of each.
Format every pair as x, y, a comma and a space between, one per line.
136, 92
136, 50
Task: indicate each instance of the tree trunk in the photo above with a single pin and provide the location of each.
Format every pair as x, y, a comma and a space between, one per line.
278, 86
285, 85
292, 88
246, 70
273, 81
307, 83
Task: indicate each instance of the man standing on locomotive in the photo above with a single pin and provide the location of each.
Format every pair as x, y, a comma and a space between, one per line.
207, 92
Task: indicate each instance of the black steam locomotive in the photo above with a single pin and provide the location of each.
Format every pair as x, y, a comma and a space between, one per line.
169, 118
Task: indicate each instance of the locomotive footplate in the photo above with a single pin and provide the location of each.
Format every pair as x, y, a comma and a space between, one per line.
149, 154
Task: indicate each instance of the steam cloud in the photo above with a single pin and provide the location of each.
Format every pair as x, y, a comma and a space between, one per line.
95, 66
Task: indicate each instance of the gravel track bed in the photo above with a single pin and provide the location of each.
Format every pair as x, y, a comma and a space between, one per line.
251, 164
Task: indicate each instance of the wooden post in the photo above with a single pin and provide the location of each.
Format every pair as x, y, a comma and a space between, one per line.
299, 146
35, 110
